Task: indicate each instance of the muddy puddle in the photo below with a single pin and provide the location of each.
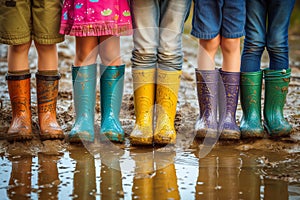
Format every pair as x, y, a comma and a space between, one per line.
106, 171
192, 169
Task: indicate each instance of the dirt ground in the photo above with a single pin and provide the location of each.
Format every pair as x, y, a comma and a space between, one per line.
187, 109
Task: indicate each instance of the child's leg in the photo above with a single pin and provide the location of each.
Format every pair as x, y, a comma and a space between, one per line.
279, 14
47, 91
144, 61
207, 87
111, 88
84, 76
169, 59
230, 77
17, 57
109, 50
233, 23
207, 52
171, 22
86, 51
47, 56
18, 81
145, 20
277, 78
231, 54
255, 38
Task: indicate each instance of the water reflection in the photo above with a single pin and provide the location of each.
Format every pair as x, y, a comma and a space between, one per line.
20, 178
275, 189
143, 175
218, 176
84, 182
249, 178
111, 176
101, 173
48, 180
155, 174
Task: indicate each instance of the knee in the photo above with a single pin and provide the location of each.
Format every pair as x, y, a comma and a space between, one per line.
230, 45
46, 50
211, 46
85, 57
277, 46
170, 61
110, 54
18, 49
141, 58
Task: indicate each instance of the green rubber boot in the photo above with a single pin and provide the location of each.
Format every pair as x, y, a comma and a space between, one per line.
250, 86
276, 89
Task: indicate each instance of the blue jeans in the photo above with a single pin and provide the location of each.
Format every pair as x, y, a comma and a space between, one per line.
267, 25
158, 27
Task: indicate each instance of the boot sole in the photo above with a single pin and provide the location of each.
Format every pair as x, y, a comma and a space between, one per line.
141, 141
111, 136
203, 133
251, 134
164, 140
80, 137
18, 137
230, 135
52, 137
277, 133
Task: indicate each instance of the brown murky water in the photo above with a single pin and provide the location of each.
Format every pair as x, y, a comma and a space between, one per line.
102, 172
261, 169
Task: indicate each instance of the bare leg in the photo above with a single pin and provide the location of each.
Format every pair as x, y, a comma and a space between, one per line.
86, 50
47, 56
47, 80
17, 57
207, 52
110, 50
231, 54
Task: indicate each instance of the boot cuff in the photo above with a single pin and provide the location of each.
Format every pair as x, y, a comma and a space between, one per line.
47, 78
17, 77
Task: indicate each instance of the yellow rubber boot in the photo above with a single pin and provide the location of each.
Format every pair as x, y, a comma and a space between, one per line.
166, 102
144, 93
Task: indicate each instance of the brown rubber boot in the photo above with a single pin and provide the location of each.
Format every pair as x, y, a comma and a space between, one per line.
19, 93
47, 92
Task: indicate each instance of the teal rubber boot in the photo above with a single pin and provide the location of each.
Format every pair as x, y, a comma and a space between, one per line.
111, 90
250, 86
84, 94
276, 89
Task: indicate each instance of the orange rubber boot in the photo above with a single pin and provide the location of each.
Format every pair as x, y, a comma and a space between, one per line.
47, 92
19, 93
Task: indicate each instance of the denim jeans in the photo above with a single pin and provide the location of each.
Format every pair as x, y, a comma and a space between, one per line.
214, 17
267, 23
158, 27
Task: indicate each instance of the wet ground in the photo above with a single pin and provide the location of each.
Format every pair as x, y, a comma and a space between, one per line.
247, 169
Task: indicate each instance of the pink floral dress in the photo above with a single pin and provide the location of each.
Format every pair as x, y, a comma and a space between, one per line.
96, 18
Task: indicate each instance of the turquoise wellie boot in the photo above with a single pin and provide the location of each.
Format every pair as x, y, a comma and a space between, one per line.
84, 95
111, 90
276, 89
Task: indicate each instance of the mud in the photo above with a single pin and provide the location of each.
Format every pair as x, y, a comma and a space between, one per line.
256, 168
